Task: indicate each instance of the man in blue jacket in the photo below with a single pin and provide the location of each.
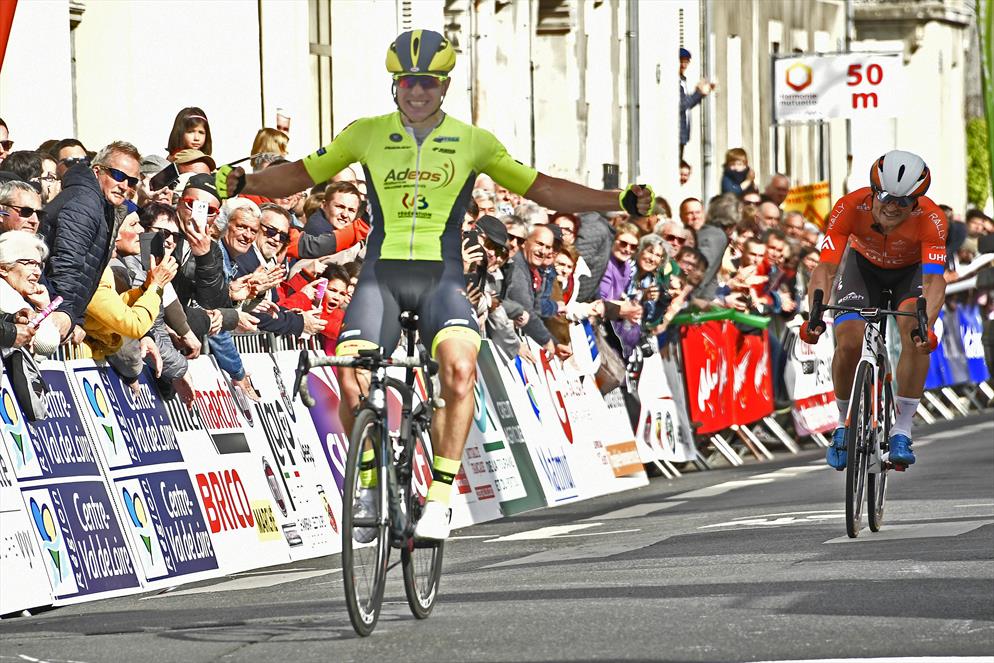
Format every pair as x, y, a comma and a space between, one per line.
688, 101
81, 229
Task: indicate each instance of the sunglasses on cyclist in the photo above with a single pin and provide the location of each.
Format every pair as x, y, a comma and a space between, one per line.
211, 209
120, 176
900, 201
6, 144
25, 212
425, 81
271, 232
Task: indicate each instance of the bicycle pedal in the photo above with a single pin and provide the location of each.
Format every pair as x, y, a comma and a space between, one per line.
899, 468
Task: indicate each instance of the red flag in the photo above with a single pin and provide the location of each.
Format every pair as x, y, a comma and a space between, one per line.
7, 8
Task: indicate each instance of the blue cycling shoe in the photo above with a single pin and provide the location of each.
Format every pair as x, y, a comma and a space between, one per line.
836, 455
900, 450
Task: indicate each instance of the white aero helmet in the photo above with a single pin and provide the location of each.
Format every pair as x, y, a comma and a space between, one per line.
900, 174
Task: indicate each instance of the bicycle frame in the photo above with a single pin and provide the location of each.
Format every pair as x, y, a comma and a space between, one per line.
874, 353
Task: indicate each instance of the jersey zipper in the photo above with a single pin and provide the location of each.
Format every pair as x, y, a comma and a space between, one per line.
414, 203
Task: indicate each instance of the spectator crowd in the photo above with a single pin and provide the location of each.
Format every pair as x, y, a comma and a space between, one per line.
141, 270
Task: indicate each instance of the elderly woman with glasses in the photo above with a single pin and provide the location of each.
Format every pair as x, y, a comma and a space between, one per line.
22, 257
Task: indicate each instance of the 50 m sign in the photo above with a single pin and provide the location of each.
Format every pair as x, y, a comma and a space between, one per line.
847, 85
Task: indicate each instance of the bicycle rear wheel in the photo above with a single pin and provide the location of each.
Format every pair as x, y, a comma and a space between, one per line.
859, 440
876, 486
365, 536
421, 560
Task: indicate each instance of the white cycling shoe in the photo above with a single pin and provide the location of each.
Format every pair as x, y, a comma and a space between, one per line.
365, 508
434, 523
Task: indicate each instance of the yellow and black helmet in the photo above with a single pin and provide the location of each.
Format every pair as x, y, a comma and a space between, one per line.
420, 52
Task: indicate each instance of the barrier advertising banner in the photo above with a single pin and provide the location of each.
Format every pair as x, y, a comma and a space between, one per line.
547, 449
708, 372
808, 376
752, 374
300, 472
64, 494
22, 567
503, 417
231, 480
157, 509
659, 425
971, 327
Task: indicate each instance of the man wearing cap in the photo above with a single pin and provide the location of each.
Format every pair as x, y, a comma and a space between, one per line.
194, 161
688, 101
151, 165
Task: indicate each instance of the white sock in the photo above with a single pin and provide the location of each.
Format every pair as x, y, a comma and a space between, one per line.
843, 410
906, 408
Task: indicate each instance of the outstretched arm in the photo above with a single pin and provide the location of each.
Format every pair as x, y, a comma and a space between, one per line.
273, 182
565, 196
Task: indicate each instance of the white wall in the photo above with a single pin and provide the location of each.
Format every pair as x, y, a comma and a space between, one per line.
36, 82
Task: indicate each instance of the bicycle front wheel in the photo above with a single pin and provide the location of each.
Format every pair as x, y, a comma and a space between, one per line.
421, 560
876, 487
859, 444
365, 535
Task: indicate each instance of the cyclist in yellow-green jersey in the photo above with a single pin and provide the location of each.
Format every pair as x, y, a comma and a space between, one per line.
420, 166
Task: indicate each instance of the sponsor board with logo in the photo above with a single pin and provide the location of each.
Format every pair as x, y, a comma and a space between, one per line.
808, 377
567, 410
85, 551
547, 449
503, 416
752, 374
152, 493
228, 476
615, 434
659, 427
814, 201
22, 567
73, 522
708, 374
850, 85
301, 482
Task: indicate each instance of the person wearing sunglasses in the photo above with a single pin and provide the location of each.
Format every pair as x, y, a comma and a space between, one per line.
420, 164
68, 153
78, 227
6, 144
898, 241
20, 207
22, 256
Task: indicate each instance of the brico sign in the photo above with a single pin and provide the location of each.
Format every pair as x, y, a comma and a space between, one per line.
850, 85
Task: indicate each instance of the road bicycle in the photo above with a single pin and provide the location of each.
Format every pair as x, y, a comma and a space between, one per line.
397, 475
871, 411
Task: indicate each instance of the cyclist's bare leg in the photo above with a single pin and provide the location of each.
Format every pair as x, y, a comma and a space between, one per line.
353, 383
848, 350
450, 426
912, 367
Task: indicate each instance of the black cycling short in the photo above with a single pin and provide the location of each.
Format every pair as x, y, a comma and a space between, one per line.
862, 285
434, 290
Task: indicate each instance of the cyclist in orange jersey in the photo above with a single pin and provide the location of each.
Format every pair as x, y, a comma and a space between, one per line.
898, 243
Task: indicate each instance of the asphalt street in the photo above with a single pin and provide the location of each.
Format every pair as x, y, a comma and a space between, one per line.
744, 564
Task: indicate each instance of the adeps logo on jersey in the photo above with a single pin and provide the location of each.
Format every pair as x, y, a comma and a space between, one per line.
432, 178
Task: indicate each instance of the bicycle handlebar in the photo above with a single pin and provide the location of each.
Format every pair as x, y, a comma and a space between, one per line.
818, 309
368, 359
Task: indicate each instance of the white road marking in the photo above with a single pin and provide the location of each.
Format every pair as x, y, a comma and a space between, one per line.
635, 511
967, 506
543, 532
719, 489
589, 551
467, 537
924, 531
616, 531
777, 520
790, 471
248, 582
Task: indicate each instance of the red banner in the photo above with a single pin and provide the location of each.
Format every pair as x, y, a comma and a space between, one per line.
728, 374
708, 371
752, 384
7, 8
